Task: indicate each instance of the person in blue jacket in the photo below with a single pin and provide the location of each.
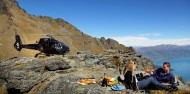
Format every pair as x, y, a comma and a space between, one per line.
164, 75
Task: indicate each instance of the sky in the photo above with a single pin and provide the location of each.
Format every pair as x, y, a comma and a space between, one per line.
130, 22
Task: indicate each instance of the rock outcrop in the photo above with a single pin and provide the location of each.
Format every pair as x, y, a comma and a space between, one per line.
63, 85
56, 64
23, 73
60, 74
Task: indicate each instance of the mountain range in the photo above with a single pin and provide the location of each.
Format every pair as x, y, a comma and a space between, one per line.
31, 28
165, 51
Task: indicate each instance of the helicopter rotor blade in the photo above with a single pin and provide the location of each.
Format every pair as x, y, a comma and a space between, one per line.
36, 34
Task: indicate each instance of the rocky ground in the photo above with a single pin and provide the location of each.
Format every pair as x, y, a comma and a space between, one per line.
59, 75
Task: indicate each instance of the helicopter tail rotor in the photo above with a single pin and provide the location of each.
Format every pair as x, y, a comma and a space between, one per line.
18, 43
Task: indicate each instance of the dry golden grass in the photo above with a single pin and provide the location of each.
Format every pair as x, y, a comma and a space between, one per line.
3, 89
117, 61
165, 92
188, 83
3, 22
19, 65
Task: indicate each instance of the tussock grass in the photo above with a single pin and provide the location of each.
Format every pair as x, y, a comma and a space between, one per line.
165, 92
188, 83
3, 89
19, 65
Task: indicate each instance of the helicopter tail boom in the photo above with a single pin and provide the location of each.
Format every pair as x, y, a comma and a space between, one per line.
18, 43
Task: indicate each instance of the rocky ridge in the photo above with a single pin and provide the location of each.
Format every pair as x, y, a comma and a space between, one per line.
60, 74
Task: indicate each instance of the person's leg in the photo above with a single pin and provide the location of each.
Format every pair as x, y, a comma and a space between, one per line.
144, 83
158, 84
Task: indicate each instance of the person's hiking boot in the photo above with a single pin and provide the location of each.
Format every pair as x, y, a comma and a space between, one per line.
169, 89
175, 88
147, 91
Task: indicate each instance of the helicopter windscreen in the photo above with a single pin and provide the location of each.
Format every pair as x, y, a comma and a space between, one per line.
58, 46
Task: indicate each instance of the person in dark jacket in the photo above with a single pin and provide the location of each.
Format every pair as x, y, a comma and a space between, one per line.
164, 75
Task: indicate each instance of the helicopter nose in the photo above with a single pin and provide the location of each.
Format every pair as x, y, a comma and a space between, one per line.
68, 49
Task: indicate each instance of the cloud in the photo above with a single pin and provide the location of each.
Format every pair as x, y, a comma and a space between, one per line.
145, 41
150, 34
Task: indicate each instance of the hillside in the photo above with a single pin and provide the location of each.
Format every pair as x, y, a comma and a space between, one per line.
15, 19
161, 52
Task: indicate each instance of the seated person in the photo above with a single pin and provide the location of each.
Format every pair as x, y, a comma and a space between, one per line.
164, 75
131, 82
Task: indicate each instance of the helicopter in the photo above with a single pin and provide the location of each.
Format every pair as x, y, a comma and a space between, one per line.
47, 46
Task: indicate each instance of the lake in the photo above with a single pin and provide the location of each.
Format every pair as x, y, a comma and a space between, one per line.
180, 66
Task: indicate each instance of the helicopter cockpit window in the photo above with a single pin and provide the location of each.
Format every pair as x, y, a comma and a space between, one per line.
58, 46
45, 39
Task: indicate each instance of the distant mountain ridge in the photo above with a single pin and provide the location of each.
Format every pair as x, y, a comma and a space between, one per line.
165, 51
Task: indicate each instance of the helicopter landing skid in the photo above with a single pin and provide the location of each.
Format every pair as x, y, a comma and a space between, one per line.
40, 55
